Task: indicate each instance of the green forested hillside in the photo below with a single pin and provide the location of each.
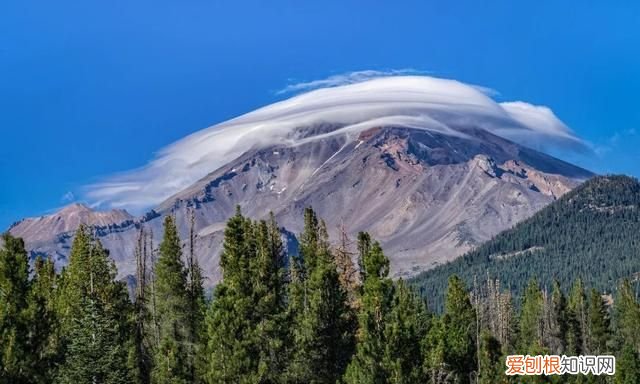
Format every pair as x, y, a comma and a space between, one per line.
591, 233
316, 318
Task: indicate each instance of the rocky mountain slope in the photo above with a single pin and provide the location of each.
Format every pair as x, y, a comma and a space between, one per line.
427, 196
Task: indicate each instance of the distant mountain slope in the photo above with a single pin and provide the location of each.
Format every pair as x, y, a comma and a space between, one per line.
428, 197
592, 233
50, 235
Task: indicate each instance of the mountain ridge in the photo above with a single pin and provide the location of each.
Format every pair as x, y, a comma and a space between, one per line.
427, 196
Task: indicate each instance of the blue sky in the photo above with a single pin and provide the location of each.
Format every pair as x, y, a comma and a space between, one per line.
91, 88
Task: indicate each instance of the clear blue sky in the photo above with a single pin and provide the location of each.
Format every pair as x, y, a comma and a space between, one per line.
89, 88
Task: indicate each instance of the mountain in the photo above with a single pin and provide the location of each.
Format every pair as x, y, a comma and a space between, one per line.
427, 196
591, 233
50, 235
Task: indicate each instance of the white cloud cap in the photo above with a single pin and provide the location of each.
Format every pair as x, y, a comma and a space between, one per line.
421, 102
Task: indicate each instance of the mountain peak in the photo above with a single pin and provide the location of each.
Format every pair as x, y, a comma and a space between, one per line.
75, 208
67, 220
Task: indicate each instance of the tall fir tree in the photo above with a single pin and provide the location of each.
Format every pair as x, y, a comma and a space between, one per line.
322, 329
490, 361
269, 301
557, 322
95, 311
627, 316
44, 331
576, 319
627, 366
377, 299
450, 349
404, 330
14, 292
531, 323
197, 307
598, 325
171, 363
230, 349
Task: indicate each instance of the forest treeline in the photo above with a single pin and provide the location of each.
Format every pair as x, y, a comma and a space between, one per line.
330, 314
591, 233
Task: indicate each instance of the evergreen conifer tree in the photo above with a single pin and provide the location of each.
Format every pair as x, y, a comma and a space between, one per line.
171, 359
44, 335
627, 366
322, 329
14, 292
598, 317
377, 299
94, 310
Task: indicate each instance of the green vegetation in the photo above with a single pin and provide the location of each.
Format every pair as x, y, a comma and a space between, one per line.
592, 233
331, 314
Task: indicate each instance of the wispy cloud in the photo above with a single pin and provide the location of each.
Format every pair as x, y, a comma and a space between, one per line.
613, 141
345, 79
350, 102
68, 197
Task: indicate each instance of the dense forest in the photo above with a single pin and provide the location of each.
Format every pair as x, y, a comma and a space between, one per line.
329, 314
592, 233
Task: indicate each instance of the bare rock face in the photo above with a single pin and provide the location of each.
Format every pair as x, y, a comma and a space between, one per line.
427, 197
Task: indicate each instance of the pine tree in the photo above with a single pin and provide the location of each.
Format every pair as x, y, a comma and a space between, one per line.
404, 330
322, 338
598, 325
576, 320
231, 349
557, 323
269, 301
94, 310
14, 291
171, 361
460, 322
627, 315
95, 353
435, 365
44, 334
377, 300
196, 309
450, 344
530, 337
627, 366
490, 359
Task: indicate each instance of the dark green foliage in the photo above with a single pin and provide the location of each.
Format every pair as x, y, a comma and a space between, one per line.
591, 233
273, 323
322, 322
95, 353
628, 366
171, 357
94, 311
627, 315
530, 337
377, 299
44, 330
404, 331
558, 323
490, 359
577, 320
598, 327
247, 323
451, 341
14, 292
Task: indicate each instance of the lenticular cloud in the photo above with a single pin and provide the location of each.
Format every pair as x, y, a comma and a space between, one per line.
421, 102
